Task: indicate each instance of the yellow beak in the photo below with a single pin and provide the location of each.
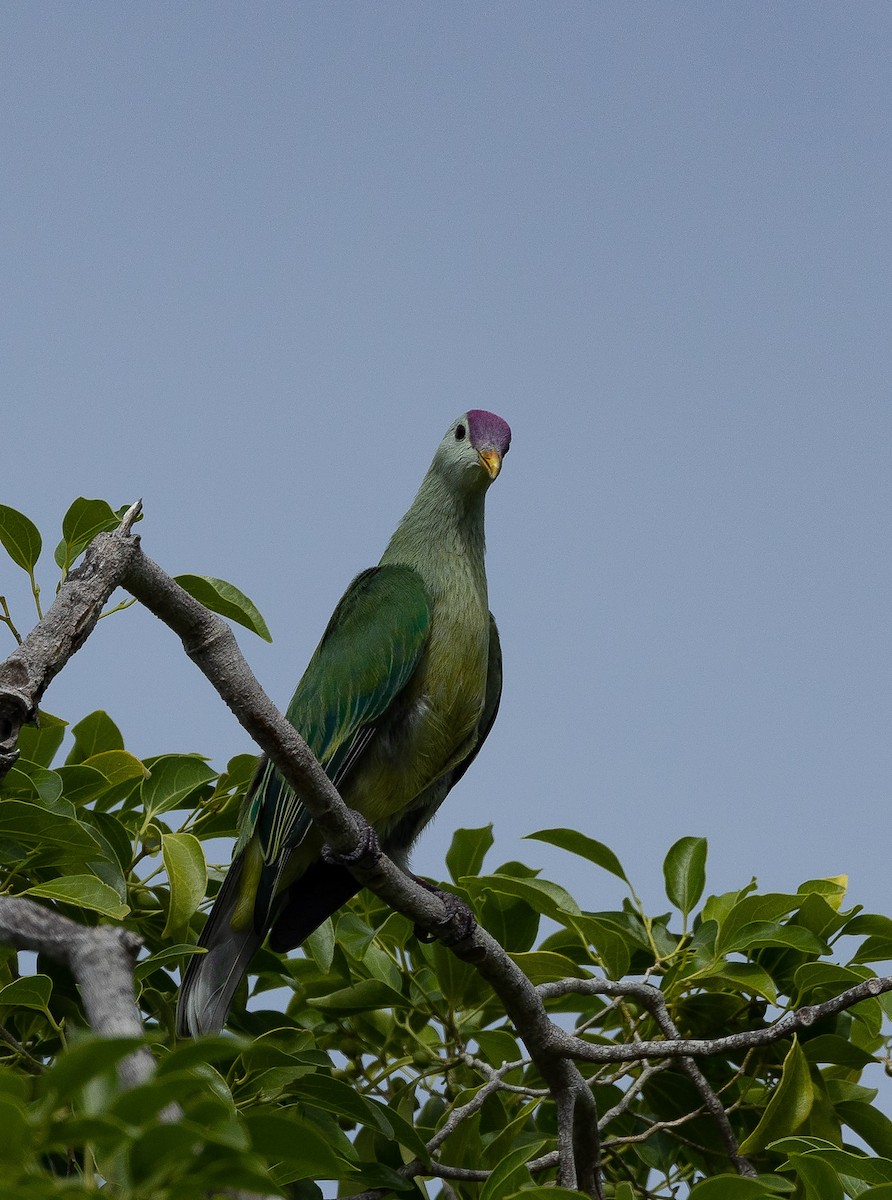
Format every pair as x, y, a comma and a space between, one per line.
491, 460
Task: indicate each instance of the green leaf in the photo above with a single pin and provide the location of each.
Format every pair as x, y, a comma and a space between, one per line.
506, 1177
91, 1056
170, 955
29, 779
466, 854
361, 997
20, 538
59, 838
83, 521
115, 837
831, 1048
381, 1175
543, 966
562, 1193
335, 1096
339, 1098
743, 977
833, 887
819, 1180
81, 783
85, 891
746, 911
39, 743
731, 1187
770, 933
95, 734
498, 1046
187, 874
281, 1138
818, 914
117, 766
158, 1152
789, 1105
855, 1166
547, 898
684, 871
31, 991
461, 983
221, 597
202, 1051
610, 942
818, 981
874, 949
13, 1085
140, 1104
105, 1132
320, 945
172, 778
874, 923
15, 1133
585, 847
866, 1120
513, 923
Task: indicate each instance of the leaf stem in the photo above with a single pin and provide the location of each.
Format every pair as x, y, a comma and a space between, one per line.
35, 592
118, 607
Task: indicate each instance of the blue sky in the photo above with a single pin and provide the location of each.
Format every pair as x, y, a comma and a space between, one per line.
256, 258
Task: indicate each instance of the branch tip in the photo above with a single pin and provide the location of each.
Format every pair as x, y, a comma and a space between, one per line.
129, 517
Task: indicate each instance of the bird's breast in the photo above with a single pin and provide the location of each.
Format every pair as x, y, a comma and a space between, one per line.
436, 722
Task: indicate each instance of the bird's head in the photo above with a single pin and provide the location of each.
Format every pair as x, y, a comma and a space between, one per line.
473, 448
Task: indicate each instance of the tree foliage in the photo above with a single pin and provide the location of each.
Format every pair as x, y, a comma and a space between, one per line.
373, 1060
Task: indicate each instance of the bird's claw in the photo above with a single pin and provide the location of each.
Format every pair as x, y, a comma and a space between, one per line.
367, 851
456, 910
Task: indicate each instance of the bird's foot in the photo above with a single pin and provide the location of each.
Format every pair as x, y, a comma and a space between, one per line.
367, 852
456, 909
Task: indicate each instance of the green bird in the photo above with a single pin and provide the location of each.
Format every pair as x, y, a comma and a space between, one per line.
395, 703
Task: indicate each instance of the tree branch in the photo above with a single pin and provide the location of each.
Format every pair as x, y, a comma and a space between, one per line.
783, 1027
101, 960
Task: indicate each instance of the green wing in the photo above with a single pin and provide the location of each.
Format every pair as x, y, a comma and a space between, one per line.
366, 657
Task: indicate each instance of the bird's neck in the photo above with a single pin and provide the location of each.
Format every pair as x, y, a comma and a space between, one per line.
443, 529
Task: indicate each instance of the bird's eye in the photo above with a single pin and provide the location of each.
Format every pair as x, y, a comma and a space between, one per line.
459, 433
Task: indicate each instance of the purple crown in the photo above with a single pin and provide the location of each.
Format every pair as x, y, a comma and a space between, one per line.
486, 428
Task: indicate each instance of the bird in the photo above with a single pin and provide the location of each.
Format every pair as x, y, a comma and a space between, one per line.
395, 703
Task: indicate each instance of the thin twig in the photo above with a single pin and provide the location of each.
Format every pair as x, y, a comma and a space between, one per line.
632, 1139
632, 1091
31, 1064
6, 619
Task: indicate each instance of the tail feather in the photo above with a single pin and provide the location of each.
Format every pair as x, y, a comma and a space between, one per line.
211, 979
318, 893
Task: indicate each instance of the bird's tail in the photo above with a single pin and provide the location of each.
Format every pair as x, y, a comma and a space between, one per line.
308, 901
210, 979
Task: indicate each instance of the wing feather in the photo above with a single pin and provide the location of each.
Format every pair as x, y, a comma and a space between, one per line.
367, 655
